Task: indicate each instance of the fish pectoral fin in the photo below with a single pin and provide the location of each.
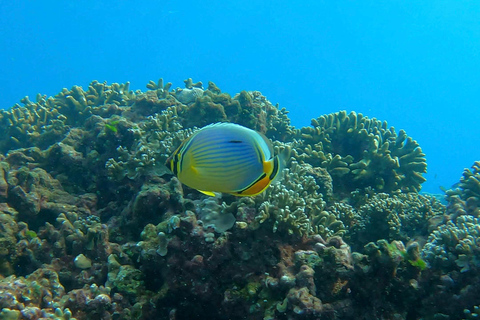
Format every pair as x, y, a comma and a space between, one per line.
208, 193
194, 170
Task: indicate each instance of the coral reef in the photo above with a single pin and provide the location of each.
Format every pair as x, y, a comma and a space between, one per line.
455, 245
37, 296
47, 120
94, 226
31, 124
465, 199
403, 217
470, 182
156, 139
452, 254
360, 152
294, 205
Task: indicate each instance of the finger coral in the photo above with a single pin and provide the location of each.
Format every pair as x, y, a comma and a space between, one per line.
360, 152
35, 123
455, 245
402, 216
47, 120
465, 199
294, 206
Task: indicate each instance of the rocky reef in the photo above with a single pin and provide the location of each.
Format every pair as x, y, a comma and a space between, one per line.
94, 226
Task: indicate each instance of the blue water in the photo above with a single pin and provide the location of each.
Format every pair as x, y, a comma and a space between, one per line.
415, 64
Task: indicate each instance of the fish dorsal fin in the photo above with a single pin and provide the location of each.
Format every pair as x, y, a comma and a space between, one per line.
268, 144
208, 193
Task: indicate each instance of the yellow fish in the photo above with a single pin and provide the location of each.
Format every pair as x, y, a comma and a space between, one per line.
228, 158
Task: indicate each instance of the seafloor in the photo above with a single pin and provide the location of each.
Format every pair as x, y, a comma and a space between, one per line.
93, 226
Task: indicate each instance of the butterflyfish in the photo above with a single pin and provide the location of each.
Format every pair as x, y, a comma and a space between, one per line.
227, 158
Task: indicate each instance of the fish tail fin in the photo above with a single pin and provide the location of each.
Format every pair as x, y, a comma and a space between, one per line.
283, 156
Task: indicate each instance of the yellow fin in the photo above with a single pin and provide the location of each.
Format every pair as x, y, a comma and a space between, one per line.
208, 193
194, 170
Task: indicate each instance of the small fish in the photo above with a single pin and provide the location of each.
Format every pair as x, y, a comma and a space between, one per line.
228, 158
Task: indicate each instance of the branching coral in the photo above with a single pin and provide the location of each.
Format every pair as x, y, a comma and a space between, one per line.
157, 138
77, 104
84, 235
35, 123
360, 152
294, 205
470, 182
200, 107
466, 198
455, 245
402, 216
47, 120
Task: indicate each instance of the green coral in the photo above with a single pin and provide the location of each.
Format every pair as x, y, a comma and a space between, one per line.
77, 105
204, 111
8, 230
85, 233
360, 152
390, 254
154, 240
455, 245
293, 206
33, 124
258, 295
307, 257
470, 182
8, 314
402, 216
419, 263
112, 126
157, 137
125, 278
48, 120
465, 199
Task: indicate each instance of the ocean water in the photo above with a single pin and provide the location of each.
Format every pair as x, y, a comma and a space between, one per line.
413, 64
98, 231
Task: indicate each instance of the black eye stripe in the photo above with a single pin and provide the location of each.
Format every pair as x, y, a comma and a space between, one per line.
175, 164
